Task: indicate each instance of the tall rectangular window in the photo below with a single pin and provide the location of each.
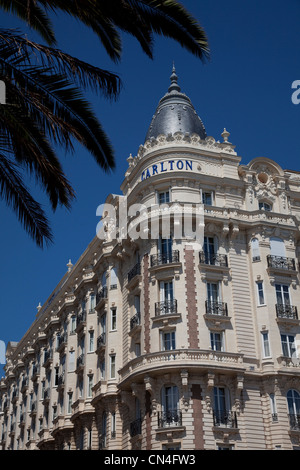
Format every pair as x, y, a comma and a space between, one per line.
265, 344
288, 345
70, 401
113, 366
168, 340
260, 293
91, 341
217, 341
113, 313
90, 385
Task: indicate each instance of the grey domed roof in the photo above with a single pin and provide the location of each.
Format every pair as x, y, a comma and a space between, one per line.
174, 113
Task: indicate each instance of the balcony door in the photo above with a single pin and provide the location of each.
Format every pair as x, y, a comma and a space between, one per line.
210, 250
282, 294
165, 249
293, 401
221, 405
166, 292
170, 405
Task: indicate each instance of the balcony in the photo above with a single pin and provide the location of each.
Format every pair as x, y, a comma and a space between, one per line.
101, 295
280, 262
135, 321
214, 259
294, 422
80, 321
136, 427
80, 362
225, 419
48, 357
216, 308
62, 341
164, 258
170, 418
286, 312
101, 341
166, 307
135, 271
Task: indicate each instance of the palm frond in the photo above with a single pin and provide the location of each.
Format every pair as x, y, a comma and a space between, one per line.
28, 211
33, 15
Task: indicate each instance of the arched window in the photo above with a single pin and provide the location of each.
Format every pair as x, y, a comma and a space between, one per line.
293, 402
113, 278
255, 249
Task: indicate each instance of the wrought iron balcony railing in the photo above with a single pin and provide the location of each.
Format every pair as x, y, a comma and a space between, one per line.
213, 259
135, 271
286, 311
101, 340
81, 318
294, 422
166, 307
280, 262
226, 419
102, 294
169, 418
216, 308
164, 258
136, 427
135, 320
80, 360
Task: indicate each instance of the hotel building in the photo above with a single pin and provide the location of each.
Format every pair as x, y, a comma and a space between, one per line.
178, 326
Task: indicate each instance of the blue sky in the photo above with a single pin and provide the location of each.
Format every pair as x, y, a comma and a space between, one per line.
246, 87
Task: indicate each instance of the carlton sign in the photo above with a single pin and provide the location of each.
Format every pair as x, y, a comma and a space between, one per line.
167, 166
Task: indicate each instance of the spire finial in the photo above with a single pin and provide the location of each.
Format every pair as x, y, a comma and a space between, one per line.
174, 84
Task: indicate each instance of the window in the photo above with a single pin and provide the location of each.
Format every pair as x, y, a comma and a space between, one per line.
265, 344
260, 293
222, 415
273, 407
71, 367
113, 425
255, 249
163, 197
210, 250
293, 400
168, 340
70, 401
217, 341
73, 324
170, 415
113, 279
92, 301
137, 349
288, 345
91, 341
264, 206
207, 198
282, 294
102, 369
113, 316
90, 385
113, 366
277, 247
165, 248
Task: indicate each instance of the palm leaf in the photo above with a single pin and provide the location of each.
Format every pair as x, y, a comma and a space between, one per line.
29, 211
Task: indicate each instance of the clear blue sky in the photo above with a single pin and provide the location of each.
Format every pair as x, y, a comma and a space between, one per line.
246, 87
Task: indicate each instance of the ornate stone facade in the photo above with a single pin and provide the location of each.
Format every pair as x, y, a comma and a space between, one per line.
183, 340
